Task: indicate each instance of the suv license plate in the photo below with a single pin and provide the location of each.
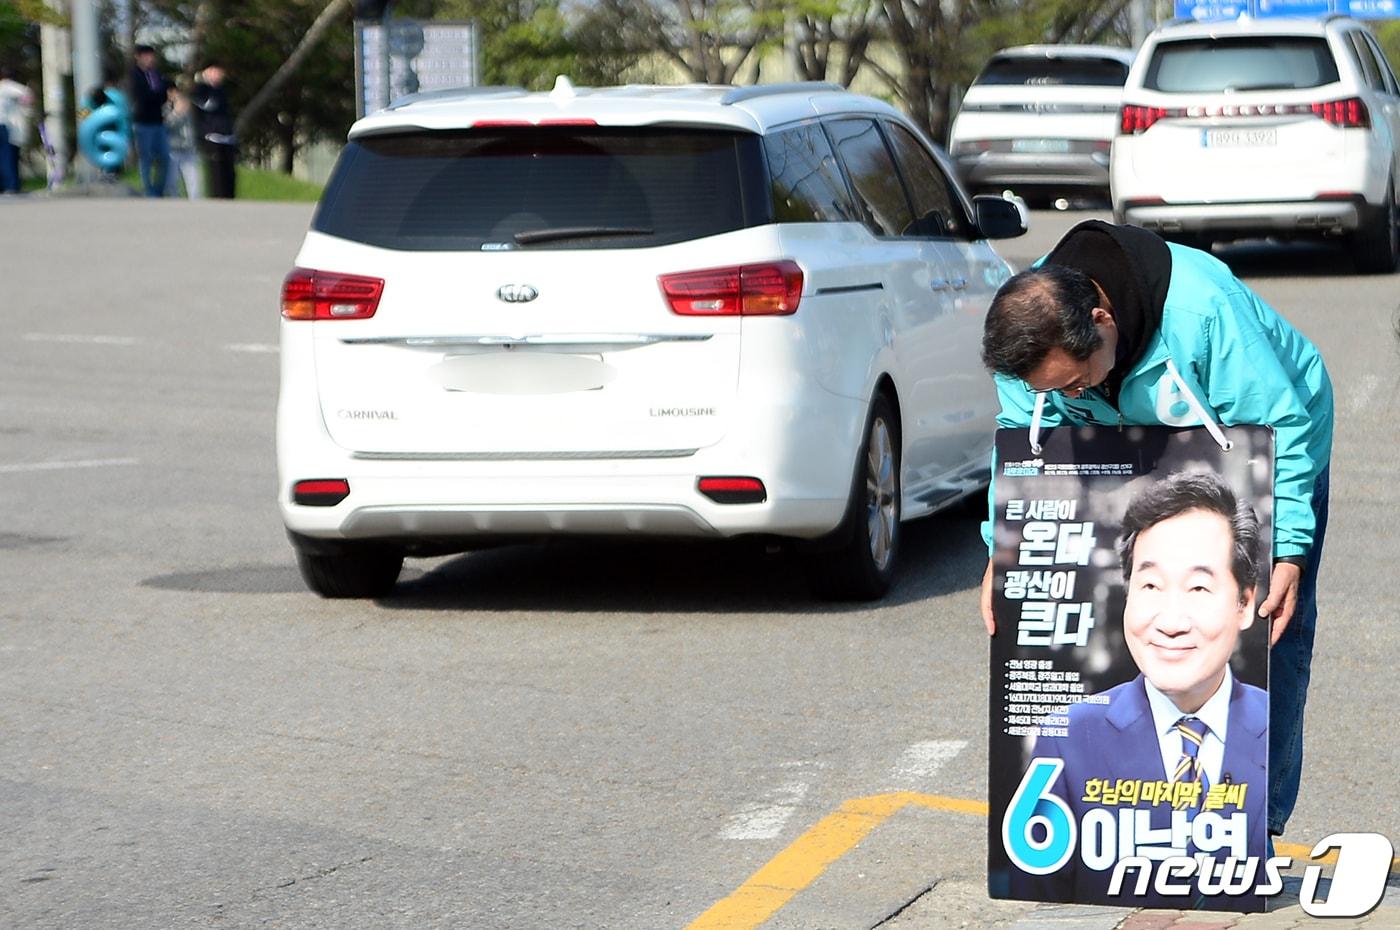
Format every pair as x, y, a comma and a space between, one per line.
1040, 146
1239, 138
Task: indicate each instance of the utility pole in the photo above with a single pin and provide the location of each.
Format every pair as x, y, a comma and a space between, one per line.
87, 65
87, 53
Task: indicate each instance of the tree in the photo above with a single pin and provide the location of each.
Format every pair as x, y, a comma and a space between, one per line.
929, 37
325, 20
941, 43
254, 39
710, 41
827, 29
1389, 35
1021, 22
528, 42
19, 37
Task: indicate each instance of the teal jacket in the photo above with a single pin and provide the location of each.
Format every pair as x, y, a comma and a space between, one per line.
1241, 360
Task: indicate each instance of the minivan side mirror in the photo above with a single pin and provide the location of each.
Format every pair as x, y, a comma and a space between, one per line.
999, 217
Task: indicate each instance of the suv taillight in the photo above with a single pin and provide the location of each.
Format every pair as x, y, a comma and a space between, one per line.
1133, 119
327, 295
1350, 113
741, 290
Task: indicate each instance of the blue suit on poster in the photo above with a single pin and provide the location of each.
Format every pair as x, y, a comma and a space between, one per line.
1118, 741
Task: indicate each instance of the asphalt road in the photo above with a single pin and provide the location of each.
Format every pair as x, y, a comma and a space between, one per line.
570, 735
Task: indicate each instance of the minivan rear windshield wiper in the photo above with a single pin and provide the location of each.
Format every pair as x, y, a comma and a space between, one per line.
577, 232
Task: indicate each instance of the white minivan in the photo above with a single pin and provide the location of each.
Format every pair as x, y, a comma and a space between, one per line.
692, 311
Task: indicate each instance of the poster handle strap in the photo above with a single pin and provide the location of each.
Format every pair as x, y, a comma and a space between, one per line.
1035, 422
1196, 407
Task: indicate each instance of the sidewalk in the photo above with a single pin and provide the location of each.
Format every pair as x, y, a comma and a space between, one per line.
965, 905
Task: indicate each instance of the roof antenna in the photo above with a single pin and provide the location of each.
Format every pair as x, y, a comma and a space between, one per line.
563, 87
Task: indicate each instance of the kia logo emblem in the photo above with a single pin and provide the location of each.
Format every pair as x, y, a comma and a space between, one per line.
517, 293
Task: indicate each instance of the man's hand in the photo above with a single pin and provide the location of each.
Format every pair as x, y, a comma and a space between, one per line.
1283, 598
986, 601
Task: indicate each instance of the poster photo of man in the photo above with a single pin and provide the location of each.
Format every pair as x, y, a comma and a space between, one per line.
1129, 703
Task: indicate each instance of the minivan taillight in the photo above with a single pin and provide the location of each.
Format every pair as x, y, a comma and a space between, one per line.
328, 295
320, 492
1350, 113
1133, 119
733, 490
771, 289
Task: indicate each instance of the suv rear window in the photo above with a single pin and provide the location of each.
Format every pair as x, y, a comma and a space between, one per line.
1189, 66
550, 188
1091, 72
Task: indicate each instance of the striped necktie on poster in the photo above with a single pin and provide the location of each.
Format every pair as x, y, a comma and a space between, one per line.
1193, 731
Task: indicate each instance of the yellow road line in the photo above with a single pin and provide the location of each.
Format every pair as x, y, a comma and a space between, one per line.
808, 856
1301, 856
1299, 851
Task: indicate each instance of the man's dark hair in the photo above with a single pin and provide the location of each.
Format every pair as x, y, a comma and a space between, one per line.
1181, 493
145, 50
1036, 311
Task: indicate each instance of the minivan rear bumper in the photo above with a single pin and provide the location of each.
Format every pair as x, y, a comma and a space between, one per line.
428, 499
406, 506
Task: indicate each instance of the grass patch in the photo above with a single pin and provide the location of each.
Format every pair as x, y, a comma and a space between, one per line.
253, 184
258, 184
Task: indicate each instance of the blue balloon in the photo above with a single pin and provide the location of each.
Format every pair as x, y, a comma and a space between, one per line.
102, 136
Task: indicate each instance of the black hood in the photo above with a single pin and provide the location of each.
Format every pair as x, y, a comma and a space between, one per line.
1134, 268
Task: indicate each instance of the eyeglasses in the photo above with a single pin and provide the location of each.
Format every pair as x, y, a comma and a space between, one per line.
1073, 389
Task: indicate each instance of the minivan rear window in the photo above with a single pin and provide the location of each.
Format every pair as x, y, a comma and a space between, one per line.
1091, 72
543, 188
1195, 66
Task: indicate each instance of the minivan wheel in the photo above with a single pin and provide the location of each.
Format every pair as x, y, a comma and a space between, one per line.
862, 563
1376, 245
351, 572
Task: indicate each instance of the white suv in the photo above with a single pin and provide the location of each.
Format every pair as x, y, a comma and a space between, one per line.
1274, 127
643, 311
1039, 119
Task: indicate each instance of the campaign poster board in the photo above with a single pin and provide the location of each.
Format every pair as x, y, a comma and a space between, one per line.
1089, 800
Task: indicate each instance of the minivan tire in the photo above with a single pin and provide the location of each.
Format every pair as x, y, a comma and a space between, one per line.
861, 564
1376, 245
351, 572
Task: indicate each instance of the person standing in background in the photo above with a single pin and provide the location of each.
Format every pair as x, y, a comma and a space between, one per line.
147, 92
184, 155
16, 104
215, 125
